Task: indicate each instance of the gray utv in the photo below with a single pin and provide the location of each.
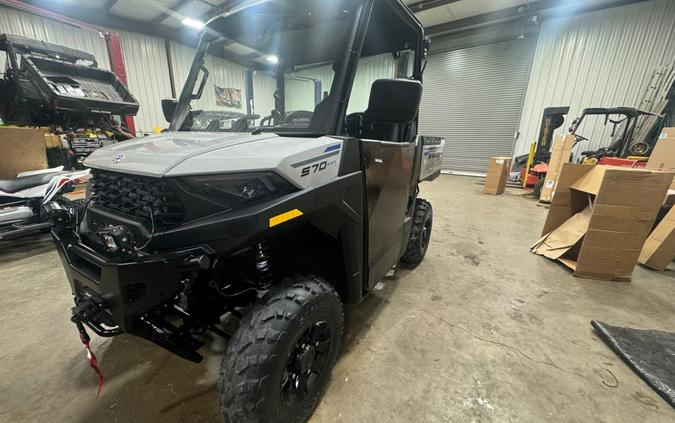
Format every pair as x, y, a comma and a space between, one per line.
277, 219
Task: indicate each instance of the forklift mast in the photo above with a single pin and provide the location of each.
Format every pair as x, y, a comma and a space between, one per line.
552, 119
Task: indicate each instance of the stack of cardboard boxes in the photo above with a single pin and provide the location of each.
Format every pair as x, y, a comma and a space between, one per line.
659, 249
600, 218
560, 154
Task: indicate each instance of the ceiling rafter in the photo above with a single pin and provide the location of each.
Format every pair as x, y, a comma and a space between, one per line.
220, 9
172, 11
110, 4
423, 5
517, 12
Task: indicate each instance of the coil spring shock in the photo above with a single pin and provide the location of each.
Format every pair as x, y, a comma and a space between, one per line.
263, 265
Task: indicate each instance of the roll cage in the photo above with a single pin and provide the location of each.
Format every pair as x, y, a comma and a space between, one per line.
360, 39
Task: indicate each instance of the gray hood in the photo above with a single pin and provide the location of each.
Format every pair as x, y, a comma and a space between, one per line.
156, 155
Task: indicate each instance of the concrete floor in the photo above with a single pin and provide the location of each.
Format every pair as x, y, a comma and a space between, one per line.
482, 331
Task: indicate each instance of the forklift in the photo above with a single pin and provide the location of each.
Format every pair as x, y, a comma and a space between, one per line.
535, 164
625, 149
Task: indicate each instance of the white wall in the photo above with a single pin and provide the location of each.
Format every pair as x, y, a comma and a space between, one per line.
300, 94
599, 59
263, 90
222, 73
370, 69
148, 78
28, 25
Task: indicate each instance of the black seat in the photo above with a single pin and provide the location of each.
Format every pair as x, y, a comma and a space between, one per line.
392, 109
14, 185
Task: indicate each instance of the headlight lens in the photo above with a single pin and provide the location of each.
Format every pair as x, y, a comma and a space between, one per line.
236, 190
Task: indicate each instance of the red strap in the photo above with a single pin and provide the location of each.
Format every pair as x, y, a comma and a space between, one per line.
93, 362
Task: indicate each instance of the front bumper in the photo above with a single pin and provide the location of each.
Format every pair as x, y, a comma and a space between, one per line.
123, 297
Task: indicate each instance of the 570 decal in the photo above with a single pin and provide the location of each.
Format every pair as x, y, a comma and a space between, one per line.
317, 167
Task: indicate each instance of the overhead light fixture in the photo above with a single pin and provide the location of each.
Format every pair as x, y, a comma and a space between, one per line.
193, 23
272, 59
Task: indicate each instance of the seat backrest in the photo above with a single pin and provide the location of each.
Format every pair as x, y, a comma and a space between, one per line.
392, 108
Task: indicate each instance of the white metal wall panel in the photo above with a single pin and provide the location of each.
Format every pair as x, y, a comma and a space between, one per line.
600, 59
369, 70
148, 77
263, 91
181, 60
300, 94
222, 73
473, 98
15, 22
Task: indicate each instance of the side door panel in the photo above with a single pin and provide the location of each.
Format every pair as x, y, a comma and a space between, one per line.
389, 169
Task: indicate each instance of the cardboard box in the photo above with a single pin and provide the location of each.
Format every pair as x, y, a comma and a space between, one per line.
659, 250
497, 175
600, 218
663, 156
562, 147
52, 141
21, 149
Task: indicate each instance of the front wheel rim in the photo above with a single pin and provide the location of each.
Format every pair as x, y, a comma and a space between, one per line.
307, 363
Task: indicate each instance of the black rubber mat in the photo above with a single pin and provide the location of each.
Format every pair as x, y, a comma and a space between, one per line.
650, 353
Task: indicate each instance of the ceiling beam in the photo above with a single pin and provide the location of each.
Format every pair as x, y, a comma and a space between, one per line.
220, 9
543, 7
421, 6
108, 20
103, 19
172, 10
110, 4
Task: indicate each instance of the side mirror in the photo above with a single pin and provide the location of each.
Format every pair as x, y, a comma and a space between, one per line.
168, 108
394, 101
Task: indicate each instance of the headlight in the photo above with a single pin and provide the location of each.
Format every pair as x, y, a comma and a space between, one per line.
236, 190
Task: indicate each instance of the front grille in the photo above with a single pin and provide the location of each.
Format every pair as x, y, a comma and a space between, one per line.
137, 196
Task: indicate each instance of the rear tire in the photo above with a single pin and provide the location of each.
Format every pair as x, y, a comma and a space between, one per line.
279, 360
420, 234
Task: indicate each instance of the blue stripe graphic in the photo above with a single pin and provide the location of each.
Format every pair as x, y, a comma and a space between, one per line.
332, 148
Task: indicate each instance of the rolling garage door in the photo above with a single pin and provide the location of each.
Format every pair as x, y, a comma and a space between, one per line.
473, 97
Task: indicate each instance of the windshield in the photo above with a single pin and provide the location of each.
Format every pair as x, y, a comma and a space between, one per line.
272, 66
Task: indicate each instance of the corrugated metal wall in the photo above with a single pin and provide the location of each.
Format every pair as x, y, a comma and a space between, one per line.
263, 90
300, 93
223, 74
473, 97
370, 69
600, 59
24, 24
148, 77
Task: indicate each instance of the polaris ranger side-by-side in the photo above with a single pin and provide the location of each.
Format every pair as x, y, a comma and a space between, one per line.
277, 219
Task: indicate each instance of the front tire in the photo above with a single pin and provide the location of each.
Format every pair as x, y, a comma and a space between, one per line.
420, 234
536, 190
279, 361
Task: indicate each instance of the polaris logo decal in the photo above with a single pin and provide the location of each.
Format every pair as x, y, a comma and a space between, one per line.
117, 158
